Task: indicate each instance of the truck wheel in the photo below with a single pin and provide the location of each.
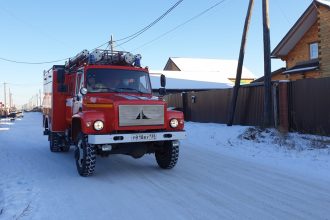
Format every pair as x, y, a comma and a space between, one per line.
168, 155
65, 147
85, 156
54, 143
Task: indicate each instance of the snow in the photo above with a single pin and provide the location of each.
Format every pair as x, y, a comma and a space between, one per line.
324, 2
182, 81
226, 68
223, 173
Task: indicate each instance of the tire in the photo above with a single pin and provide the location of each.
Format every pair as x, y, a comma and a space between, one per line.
168, 155
54, 144
57, 143
65, 147
85, 156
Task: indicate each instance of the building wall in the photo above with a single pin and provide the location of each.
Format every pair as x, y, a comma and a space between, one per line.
293, 77
307, 75
300, 52
243, 80
324, 35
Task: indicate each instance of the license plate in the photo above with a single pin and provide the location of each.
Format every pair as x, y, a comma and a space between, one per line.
143, 137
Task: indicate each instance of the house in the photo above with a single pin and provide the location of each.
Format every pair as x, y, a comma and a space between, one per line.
306, 47
183, 81
211, 67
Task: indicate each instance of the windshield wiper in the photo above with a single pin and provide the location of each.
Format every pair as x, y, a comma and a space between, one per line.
104, 89
131, 89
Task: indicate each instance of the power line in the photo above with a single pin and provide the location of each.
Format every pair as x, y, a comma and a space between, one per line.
132, 36
129, 38
282, 11
21, 84
141, 31
33, 63
32, 27
182, 24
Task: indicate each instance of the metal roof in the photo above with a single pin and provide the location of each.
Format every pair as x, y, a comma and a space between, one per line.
226, 68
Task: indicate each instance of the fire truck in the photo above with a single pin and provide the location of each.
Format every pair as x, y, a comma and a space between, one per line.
102, 104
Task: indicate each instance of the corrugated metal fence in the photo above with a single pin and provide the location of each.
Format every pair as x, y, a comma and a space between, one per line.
308, 105
213, 105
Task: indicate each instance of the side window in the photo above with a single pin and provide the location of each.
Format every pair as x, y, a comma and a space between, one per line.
313, 51
144, 84
79, 81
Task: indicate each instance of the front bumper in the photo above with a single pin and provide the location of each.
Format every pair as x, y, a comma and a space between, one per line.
136, 137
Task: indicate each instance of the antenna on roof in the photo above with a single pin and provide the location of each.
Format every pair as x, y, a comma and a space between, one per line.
111, 43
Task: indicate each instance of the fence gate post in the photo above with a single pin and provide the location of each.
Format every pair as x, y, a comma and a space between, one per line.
283, 105
185, 106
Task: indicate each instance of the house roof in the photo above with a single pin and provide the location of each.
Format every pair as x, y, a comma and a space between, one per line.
226, 68
190, 80
261, 79
303, 24
304, 67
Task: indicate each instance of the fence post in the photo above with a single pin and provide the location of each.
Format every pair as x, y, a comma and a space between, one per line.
185, 106
283, 105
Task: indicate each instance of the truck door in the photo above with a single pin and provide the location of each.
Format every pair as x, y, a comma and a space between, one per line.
77, 99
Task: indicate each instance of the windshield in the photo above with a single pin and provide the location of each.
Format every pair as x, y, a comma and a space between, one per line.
116, 80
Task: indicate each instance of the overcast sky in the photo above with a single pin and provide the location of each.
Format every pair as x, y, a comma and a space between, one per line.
37, 31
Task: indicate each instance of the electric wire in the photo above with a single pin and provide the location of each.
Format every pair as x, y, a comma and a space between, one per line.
129, 38
141, 31
132, 36
282, 12
32, 63
180, 25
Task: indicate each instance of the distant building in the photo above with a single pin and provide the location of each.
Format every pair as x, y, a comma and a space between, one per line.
306, 47
205, 68
181, 81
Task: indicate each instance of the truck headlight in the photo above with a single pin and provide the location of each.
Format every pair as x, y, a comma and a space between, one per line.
174, 123
98, 125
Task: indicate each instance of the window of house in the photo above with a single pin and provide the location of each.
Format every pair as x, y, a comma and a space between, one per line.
313, 51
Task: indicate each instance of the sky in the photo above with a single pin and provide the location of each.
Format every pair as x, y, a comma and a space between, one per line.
39, 31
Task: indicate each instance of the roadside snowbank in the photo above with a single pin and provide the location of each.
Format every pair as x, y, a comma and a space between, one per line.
301, 153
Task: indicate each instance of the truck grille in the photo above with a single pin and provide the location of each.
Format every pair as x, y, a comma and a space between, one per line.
135, 115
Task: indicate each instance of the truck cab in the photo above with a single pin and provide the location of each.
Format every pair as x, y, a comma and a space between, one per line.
105, 106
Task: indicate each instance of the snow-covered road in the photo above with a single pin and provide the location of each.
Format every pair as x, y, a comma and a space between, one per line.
205, 184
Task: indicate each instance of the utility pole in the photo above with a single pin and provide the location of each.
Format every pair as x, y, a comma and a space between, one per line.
9, 98
4, 94
40, 97
240, 64
111, 43
267, 65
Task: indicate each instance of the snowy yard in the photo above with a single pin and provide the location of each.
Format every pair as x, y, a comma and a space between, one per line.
223, 173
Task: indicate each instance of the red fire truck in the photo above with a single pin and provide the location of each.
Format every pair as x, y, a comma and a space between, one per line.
102, 103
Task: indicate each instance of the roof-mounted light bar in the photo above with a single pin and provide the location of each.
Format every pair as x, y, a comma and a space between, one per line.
105, 57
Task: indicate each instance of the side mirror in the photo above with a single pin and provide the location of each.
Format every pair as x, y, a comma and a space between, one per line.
162, 80
162, 91
60, 76
83, 91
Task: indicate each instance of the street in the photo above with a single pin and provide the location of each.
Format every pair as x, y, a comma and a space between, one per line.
205, 184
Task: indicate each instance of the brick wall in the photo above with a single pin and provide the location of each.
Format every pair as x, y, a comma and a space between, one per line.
300, 52
324, 35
